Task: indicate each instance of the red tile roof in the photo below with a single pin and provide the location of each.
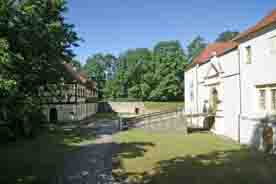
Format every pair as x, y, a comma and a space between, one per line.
266, 21
214, 49
79, 77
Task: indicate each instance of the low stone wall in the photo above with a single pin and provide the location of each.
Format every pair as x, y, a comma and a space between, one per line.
121, 107
166, 123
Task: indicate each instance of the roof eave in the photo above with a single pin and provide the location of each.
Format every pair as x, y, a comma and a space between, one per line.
246, 36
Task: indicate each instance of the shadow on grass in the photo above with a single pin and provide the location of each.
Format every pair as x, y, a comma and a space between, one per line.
197, 130
132, 150
227, 167
54, 156
41, 159
127, 151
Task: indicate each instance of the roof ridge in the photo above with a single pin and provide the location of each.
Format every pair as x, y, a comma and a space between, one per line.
267, 20
216, 47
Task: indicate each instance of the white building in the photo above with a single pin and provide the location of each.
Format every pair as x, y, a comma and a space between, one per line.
74, 100
242, 74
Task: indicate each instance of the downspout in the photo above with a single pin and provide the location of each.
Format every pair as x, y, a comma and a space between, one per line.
240, 86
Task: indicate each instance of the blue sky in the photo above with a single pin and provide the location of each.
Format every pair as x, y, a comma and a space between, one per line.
112, 26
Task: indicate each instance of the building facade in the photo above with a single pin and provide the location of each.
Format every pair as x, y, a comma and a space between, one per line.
241, 75
73, 100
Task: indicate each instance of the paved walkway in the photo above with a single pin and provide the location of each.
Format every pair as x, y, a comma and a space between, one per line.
92, 163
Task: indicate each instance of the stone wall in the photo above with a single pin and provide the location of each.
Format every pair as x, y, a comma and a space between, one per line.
122, 107
71, 112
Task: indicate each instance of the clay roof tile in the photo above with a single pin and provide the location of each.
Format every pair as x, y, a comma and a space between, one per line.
266, 21
214, 49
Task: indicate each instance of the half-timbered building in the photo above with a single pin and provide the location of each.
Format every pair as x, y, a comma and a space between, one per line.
73, 99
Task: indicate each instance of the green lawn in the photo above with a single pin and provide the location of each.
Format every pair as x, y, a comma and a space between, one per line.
160, 106
35, 161
195, 158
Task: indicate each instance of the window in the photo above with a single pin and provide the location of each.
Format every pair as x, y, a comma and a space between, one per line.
273, 99
248, 55
262, 99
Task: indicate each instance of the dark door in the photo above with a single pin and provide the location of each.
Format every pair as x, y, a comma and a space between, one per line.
53, 115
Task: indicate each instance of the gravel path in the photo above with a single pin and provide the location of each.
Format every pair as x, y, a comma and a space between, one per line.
92, 162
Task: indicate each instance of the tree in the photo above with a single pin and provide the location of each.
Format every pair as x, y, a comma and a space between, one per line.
100, 67
137, 61
39, 42
169, 62
130, 67
76, 64
35, 41
110, 66
195, 47
226, 36
141, 73
7, 86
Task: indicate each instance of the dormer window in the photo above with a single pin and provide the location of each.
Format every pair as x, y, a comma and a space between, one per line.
248, 52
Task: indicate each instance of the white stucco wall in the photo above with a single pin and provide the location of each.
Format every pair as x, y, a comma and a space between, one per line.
231, 94
227, 85
260, 72
64, 111
191, 90
230, 63
231, 107
238, 86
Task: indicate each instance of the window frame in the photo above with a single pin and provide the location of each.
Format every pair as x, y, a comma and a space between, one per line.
267, 103
262, 103
273, 99
248, 54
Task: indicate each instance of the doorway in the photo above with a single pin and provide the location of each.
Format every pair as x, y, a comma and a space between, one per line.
53, 115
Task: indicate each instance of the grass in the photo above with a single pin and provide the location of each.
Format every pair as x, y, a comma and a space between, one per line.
161, 106
37, 160
196, 158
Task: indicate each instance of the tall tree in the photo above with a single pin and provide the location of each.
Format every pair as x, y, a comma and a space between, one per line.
99, 67
195, 47
76, 64
130, 70
137, 61
169, 61
226, 36
39, 42
147, 75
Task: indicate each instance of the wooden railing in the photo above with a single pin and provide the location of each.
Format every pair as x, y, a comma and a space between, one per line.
155, 115
158, 117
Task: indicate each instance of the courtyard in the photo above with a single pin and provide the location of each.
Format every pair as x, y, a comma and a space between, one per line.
137, 92
74, 155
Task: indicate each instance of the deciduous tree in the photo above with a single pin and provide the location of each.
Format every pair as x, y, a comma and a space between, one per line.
195, 47
226, 36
